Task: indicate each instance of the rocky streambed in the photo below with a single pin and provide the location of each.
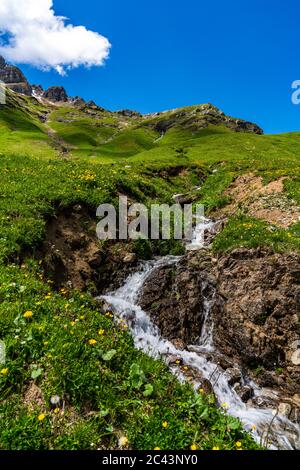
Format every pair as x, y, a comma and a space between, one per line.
229, 325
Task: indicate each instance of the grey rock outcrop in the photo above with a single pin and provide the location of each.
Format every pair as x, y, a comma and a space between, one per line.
56, 94
14, 78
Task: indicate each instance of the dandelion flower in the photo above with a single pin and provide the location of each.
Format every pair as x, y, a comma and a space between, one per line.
73, 323
101, 332
165, 424
194, 447
156, 448
216, 448
28, 314
41, 417
238, 444
56, 411
92, 342
4, 371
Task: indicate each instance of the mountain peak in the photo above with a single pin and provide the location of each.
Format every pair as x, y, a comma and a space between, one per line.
14, 78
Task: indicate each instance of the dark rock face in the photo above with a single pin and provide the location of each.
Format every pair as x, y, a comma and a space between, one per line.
56, 94
175, 297
14, 78
257, 314
255, 306
129, 113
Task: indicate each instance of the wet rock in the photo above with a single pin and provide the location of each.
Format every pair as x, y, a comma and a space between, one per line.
233, 376
295, 359
175, 296
264, 402
245, 392
284, 409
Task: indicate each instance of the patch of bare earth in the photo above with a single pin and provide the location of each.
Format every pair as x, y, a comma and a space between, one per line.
265, 202
72, 256
33, 397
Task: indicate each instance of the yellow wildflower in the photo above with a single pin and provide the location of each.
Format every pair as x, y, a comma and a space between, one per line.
194, 447
73, 323
28, 314
165, 424
56, 411
201, 391
101, 332
4, 371
41, 417
156, 448
123, 441
216, 448
92, 342
238, 444
254, 427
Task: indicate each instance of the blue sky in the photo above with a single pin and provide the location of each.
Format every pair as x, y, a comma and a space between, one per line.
240, 56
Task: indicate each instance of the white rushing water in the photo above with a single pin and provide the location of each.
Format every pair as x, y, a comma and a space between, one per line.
266, 425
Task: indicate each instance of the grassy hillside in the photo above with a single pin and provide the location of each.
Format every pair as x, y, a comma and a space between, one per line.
54, 157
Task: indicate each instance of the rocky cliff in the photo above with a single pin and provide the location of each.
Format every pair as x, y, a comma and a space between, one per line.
14, 78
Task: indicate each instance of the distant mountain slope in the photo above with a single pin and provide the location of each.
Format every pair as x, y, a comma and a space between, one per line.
54, 122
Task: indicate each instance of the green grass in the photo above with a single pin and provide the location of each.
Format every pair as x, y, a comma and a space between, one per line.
102, 399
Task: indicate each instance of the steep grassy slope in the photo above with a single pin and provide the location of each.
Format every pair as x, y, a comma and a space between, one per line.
54, 157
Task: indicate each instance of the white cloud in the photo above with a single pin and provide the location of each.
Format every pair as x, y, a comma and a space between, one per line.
40, 38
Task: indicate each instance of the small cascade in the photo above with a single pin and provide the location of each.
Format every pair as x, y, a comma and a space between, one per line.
274, 429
